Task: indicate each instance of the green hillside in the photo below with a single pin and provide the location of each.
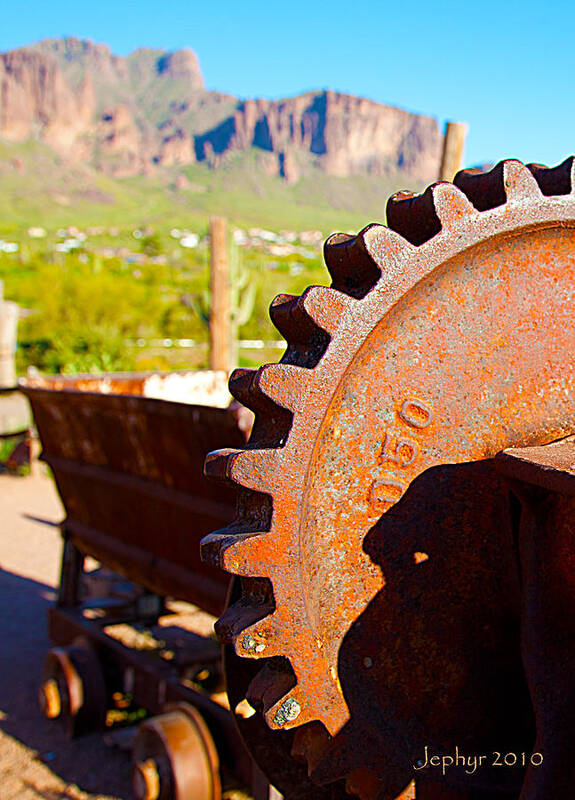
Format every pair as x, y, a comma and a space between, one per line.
126, 291
40, 188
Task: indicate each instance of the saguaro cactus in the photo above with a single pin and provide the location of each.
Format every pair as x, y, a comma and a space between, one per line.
242, 300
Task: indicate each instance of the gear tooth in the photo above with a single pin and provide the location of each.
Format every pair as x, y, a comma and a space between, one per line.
335, 247
450, 203
554, 181
283, 314
244, 386
519, 182
509, 181
484, 190
263, 639
420, 217
396, 207
255, 469
413, 216
218, 462
327, 307
336, 251
252, 469
350, 264
240, 384
234, 552
386, 247
212, 545
284, 384
306, 341
270, 683
238, 618
289, 711
245, 555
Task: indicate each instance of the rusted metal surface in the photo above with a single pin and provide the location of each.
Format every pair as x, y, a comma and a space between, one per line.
273, 753
154, 684
550, 467
129, 472
72, 689
207, 387
175, 758
381, 595
543, 480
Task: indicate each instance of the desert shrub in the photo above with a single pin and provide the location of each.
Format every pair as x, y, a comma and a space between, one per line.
82, 319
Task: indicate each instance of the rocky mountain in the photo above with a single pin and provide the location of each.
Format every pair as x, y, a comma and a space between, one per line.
346, 135
150, 110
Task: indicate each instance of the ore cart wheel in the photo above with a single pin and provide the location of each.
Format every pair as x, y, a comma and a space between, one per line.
175, 758
73, 690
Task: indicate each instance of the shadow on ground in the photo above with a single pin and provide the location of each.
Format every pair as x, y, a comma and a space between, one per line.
85, 762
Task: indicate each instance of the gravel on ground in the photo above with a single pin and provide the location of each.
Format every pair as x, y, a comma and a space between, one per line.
37, 760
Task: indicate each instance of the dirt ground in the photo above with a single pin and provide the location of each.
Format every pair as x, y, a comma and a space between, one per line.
36, 759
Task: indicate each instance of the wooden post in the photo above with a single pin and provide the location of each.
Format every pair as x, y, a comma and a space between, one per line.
8, 326
220, 322
453, 145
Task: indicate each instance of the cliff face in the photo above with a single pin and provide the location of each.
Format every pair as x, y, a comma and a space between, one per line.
36, 99
346, 135
131, 115
76, 56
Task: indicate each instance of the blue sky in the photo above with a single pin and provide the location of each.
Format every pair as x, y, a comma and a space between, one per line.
504, 67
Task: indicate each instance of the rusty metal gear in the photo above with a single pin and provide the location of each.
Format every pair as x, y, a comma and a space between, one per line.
444, 338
